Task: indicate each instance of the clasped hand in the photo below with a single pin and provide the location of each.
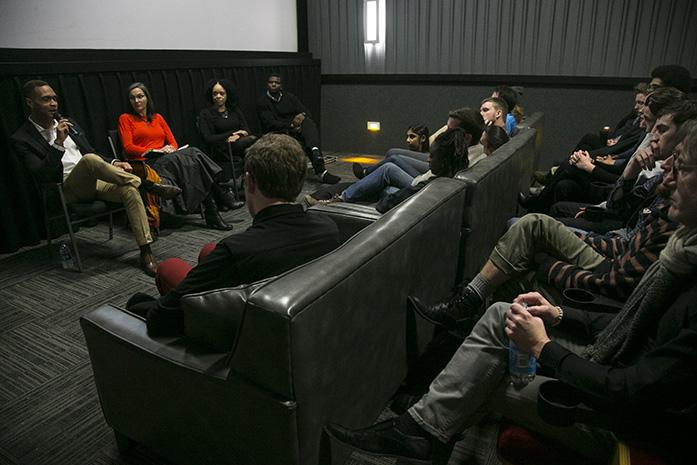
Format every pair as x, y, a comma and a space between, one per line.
525, 326
581, 159
297, 121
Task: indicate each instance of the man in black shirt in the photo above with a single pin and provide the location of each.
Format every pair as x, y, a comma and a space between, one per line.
282, 236
281, 111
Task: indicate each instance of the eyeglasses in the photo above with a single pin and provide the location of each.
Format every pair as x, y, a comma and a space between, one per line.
680, 167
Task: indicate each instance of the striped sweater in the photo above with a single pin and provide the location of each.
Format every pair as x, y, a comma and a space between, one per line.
627, 256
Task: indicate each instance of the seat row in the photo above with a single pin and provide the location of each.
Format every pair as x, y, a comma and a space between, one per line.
264, 366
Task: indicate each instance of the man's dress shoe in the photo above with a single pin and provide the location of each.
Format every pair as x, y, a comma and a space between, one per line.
148, 264
384, 439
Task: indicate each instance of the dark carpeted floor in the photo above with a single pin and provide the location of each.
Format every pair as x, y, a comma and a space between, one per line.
49, 411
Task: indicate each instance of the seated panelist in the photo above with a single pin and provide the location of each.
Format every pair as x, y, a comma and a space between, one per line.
145, 135
282, 236
281, 111
223, 123
55, 149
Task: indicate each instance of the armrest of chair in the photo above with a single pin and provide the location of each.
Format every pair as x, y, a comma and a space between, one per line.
349, 217
109, 326
587, 300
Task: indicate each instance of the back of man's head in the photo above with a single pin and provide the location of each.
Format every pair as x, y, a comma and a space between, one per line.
471, 121
29, 86
662, 97
277, 164
673, 76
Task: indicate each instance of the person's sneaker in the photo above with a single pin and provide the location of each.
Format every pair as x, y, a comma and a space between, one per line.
329, 178
462, 306
310, 201
358, 171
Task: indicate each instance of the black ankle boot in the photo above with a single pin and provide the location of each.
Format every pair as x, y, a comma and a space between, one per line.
224, 198
212, 216
462, 306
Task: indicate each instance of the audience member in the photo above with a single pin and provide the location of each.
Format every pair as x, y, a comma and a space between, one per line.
281, 111
671, 76
636, 367
282, 236
448, 154
573, 180
627, 128
415, 163
145, 135
492, 138
55, 149
223, 125
417, 137
539, 251
510, 96
494, 111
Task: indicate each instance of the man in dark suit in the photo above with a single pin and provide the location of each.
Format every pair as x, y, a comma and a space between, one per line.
281, 111
55, 149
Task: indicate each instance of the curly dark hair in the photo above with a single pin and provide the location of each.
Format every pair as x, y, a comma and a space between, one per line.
449, 153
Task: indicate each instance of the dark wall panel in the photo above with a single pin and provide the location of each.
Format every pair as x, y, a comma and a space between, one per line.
523, 37
570, 112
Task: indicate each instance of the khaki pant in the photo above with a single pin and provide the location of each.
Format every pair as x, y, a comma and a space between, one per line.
514, 254
93, 178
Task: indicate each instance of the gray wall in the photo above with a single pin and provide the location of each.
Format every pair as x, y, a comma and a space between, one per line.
570, 113
621, 38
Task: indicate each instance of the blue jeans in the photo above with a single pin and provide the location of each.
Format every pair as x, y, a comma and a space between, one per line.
385, 176
413, 163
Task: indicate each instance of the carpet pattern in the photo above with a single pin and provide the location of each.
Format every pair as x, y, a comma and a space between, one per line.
49, 410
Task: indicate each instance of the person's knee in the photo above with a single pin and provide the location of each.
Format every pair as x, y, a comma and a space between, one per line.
391, 153
497, 311
529, 221
92, 158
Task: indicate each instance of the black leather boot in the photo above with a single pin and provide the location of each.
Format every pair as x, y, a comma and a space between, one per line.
461, 307
212, 216
225, 198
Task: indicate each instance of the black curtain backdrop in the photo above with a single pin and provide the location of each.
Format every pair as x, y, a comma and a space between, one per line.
91, 86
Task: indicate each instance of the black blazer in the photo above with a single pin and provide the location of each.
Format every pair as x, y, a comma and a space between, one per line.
42, 160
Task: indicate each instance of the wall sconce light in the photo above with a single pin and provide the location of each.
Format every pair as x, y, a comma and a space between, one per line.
374, 126
371, 21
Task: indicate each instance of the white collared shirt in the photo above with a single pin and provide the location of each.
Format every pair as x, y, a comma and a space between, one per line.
71, 153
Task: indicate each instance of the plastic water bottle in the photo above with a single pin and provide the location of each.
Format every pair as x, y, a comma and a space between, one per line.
66, 256
521, 367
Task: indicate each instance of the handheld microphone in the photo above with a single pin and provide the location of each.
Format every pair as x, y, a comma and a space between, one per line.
71, 129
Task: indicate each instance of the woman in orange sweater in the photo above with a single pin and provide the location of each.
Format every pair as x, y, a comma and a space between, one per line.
145, 135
